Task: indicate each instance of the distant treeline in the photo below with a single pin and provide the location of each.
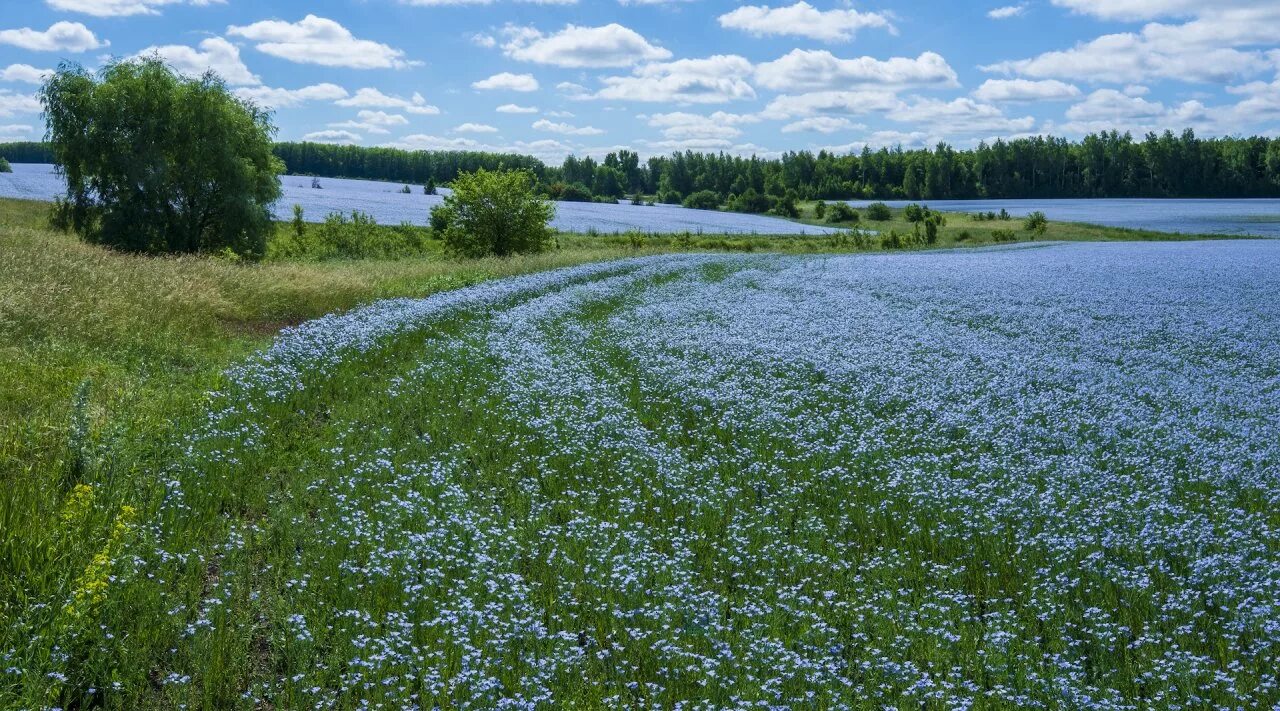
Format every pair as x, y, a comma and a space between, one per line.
1104, 165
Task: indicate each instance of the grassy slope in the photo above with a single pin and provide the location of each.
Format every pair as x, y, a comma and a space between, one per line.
147, 337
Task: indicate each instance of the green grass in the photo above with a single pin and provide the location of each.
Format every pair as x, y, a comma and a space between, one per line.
106, 360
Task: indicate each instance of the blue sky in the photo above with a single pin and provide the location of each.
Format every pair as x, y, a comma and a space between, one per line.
552, 77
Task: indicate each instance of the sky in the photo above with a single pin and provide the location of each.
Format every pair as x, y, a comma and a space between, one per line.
556, 77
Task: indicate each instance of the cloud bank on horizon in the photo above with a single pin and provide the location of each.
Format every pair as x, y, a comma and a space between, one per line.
554, 77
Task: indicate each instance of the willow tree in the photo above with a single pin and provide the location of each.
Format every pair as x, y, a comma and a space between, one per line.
157, 162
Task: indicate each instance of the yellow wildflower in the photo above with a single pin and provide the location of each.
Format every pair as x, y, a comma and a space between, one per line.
78, 503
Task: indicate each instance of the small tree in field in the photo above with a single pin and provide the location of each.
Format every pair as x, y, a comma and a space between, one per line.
494, 213
4, 166
158, 163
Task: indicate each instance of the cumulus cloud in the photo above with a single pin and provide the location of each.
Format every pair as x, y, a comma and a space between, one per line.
318, 40
822, 124
24, 73
803, 20
341, 137
369, 97
13, 104
716, 79
565, 129
1213, 47
507, 81
681, 126
852, 103
474, 128
121, 8
611, 45
214, 53
1006, 12
550, 150
818, 70
272, 97
516, 109
1017, 90
60, 37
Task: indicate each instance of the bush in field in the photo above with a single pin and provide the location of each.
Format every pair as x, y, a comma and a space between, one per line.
346, 237
1036, 223
156, 162
819, 209
879, 212
429, 188
4, 166
1004, 235
914, 213
752, 202
841, 212
494, 213
931, 224
703, 200
785, 206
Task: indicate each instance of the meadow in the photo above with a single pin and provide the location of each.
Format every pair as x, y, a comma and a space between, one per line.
1030, 476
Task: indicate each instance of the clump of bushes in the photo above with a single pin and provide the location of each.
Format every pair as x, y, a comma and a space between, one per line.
752, 202
819, 210
879, 212
494, 213
4, 166
406, 190
703, 200
340, 236
1004, 235
841, 212
1036, 223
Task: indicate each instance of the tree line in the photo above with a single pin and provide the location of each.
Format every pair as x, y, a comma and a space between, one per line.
1104, 165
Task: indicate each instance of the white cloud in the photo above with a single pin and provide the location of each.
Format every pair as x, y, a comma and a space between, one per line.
822, 124
803, 20
959, 116
285, 98
1211, 48
474, 128
1006, 12
214, 53
516, 109
372, 122
550, 150
711, 80
506, 81
565, 129
679, 125
1014, 90
368, 97
120, 8
13, 103
318, 40
611, 45
15, 130
344, 137
1111, 105
24, 73
60, 37
817, 70
852, 103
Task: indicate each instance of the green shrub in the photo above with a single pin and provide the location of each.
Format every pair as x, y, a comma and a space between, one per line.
752, 202
1036, 223
4, 166
1004, 235
964, 236
879, 212
346, 237
820, 210
496, 213
931, 224
429, 188
785, 206
137, 183
703, 200
914, 213
841, 212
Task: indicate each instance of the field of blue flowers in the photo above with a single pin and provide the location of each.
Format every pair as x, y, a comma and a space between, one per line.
1038, 477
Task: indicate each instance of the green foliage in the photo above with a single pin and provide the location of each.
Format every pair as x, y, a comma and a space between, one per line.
406, 190
879, 212
429, 188
752, 202
840, 212
340, 236
914, 213
299, 224
703, 200
1004, 215
1037, 223
4, 166
158, 163
786, 206
1004, 236
496, 213
570, 192
819, 210
964, 236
